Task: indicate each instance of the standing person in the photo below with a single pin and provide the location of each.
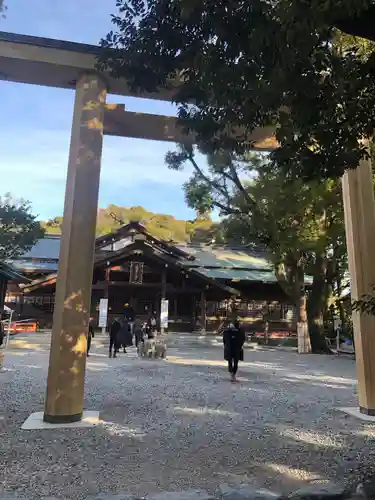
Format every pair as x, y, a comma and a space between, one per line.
90, 335
233, 339
138, 331
152, 326
126, 337
114, 331
2, 334
129, 316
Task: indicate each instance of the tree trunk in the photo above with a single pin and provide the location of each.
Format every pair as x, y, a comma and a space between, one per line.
293, 283
316, 304
329, 288
340, 304
304, 344
302, 308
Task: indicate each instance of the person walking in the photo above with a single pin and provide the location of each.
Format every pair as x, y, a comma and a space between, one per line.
90, 336
114, 331
233, 339
129, 316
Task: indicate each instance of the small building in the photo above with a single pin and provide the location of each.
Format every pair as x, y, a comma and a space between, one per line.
202, 283
8, 274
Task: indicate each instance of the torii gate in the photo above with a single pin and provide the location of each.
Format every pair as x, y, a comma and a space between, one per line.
63, 64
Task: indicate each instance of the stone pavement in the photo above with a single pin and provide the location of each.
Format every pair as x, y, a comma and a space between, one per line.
179, 425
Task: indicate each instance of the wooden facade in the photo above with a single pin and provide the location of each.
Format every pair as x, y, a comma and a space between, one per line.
131, 266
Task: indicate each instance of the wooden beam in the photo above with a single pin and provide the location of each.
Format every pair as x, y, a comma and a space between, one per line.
100, 285
118, 122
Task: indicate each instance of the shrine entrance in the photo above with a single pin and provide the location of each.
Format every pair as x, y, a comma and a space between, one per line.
69, 65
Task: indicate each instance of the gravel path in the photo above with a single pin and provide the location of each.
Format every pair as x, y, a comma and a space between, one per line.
179, 424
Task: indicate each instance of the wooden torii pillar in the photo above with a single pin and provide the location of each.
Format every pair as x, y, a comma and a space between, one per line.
66, 373
359, 208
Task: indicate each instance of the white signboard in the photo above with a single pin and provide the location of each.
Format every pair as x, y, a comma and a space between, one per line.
103, 313
164, 314
337, 324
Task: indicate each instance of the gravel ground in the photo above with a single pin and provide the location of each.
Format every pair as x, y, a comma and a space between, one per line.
179, 424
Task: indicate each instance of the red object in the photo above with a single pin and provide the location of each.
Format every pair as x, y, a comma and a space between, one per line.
275, 335
23, 327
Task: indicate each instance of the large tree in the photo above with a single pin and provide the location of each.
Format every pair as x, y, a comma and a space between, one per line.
300, 224
245, 64
19, 228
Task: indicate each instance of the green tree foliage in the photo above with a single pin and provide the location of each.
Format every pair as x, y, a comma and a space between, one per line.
252, 63
301, 224
19, 229
53, 226
162, 226
366, 304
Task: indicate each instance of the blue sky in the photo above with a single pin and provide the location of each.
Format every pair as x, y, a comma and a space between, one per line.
35, 129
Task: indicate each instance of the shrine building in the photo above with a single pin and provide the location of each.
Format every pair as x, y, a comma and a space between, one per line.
200, 282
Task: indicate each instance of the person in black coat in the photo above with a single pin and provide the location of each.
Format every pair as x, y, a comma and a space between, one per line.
114, 331
129, 317
126, 335
138, 332
233, 339
2, 334
90, 335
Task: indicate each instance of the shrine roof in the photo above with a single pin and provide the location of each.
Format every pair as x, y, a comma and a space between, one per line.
45, 248
8, 272
237, 275
222, 263
226, 257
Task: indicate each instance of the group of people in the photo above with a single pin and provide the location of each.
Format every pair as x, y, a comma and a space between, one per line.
123, 330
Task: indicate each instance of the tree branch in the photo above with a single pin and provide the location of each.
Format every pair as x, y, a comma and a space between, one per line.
237, 182
206, 179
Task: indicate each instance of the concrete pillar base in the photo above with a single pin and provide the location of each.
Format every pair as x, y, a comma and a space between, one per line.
367, 411
355, 411
36, 421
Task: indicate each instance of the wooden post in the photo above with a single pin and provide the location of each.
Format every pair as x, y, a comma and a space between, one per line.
359, 209
3, 291
66, 373
203, 312
163, 293
107, 280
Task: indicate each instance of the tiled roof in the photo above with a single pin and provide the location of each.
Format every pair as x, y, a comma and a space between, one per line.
29, 266
234, 258
216, 262
237, 275
10, 273
45, 248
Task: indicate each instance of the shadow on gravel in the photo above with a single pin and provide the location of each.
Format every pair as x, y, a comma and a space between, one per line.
181, 424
